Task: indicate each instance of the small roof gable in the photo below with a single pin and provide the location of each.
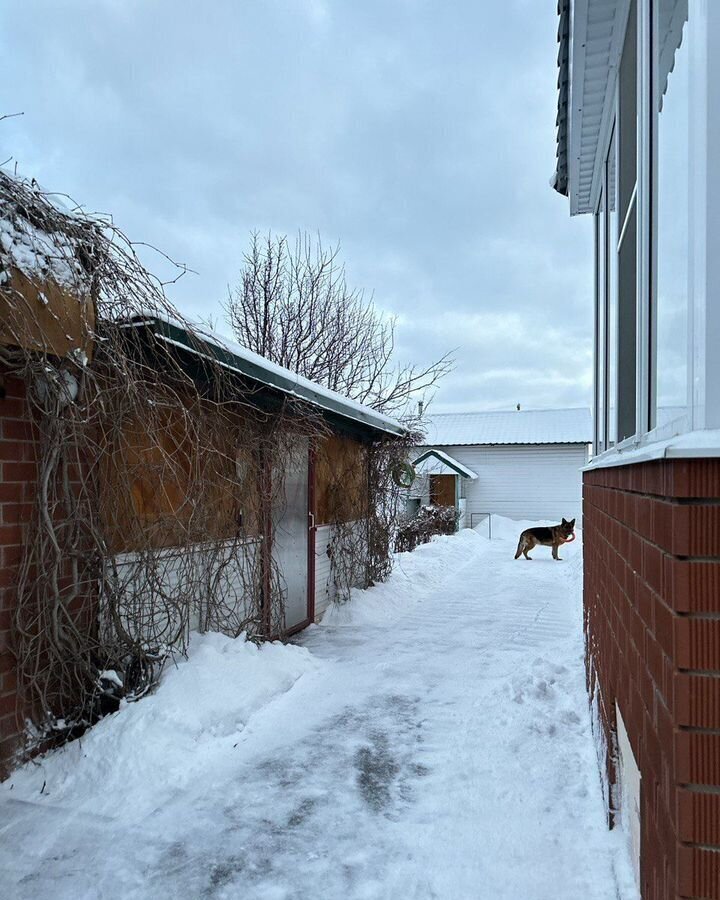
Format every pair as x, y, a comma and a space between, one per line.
437, 462
532, 426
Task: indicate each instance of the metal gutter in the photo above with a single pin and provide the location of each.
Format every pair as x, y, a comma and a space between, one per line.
559, 180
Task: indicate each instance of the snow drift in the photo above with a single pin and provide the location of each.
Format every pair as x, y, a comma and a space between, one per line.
157, 745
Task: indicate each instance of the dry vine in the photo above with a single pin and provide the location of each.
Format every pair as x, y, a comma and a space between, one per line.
154, 489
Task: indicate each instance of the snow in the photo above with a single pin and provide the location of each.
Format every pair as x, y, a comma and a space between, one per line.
431, 739
527, 426
38, 254
161, 742
111, 676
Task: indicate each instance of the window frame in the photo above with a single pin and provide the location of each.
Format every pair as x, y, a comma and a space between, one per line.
626, 250
704, 330
703, 360
684, 422
602, 297
600, 345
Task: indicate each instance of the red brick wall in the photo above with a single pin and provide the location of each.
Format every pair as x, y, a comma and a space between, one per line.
652, 623
17, 487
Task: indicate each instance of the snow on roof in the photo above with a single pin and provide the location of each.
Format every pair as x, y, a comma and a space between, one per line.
259, 368
435, 462
39, 236
531, 426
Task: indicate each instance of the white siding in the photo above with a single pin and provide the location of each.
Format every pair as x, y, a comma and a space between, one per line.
523, 481
420, 489
164, 599
324, 589
325, 583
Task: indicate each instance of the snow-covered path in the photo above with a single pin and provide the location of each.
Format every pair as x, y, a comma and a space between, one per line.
431, 741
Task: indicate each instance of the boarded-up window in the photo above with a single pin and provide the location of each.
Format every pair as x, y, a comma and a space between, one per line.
40, 315
341, 481
442, 490
164, 487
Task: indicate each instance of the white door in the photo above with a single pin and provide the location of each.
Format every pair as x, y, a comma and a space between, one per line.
290, 540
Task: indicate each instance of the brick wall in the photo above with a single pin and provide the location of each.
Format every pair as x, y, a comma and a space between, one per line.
17, 487
652, 623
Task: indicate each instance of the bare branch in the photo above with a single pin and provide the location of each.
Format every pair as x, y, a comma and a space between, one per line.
295, 307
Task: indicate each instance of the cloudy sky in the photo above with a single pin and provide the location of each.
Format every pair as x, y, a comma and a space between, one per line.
417, 133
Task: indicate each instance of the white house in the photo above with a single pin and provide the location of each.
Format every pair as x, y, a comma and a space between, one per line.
524, 464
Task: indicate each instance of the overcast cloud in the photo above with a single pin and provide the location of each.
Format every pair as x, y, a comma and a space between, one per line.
417, 133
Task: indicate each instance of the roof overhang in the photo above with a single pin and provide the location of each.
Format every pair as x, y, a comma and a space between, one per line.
590, 48
204, 344
440, 463
560, 179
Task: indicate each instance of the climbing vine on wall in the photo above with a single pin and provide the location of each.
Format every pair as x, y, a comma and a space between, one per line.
158, 489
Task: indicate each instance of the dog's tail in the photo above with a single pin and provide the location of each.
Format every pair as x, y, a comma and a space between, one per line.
521, 544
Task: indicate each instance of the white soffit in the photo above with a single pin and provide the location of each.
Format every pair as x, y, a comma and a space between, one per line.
597, 34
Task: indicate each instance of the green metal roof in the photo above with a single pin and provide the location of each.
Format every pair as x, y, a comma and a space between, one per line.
208, 344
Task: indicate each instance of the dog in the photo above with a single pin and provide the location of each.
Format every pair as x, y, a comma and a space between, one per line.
548, 537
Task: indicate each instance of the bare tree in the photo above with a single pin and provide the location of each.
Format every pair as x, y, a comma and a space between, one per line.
293, 306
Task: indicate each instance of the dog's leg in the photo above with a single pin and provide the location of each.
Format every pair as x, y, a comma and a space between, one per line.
555, 551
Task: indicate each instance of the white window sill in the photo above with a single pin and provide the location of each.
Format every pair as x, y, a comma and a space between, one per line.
693, 445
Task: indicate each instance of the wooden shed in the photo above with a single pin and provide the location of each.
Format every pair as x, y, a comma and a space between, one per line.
156, 478
322, 477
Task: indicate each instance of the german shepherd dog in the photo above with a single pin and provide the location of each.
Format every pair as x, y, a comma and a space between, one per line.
548, 537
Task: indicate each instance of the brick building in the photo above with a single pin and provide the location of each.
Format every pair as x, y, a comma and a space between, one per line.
18, 475
638, 145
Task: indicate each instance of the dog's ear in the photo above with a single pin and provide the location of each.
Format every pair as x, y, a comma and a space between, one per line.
571, 523
564, 522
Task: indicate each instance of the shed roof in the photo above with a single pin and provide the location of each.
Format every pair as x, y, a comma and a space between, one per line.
532, 426
201, 341
436, 462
